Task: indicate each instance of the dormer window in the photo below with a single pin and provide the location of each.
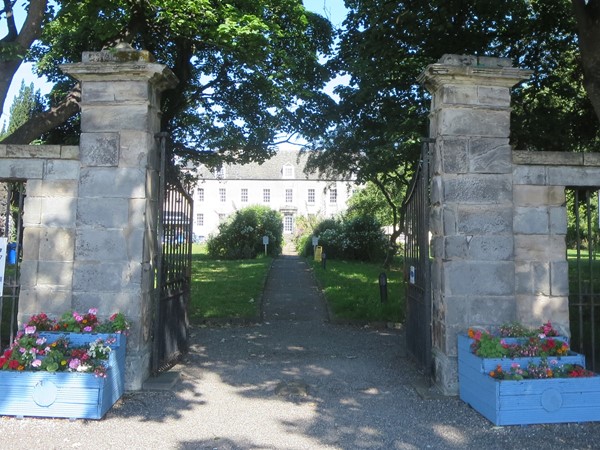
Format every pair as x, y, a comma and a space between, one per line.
287, 171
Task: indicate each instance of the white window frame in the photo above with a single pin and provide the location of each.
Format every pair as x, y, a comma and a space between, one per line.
311, 196
200, 219
287, 171
244, 195
332, 195
289, 196
266, 195
222, 195
288, 223
200, 194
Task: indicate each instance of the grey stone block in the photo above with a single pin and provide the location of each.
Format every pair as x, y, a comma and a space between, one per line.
107, 182
527, 195
103, 212
574, 176
541, 278
135, 147
58, 211
559, 276
490, 156
55, 274
529, 247
474, 122
488, 278
558, 220
453, 154
57, 169
491, 248
99, 149
29, 169
530, 220
493, 96
455, 247
28, 270
523, 278
116, 91
480, 189
484, 220
460, 94
529, 174
110, 118
57, 244
105, 276
97, 244
532, 310
32, 211
57, 188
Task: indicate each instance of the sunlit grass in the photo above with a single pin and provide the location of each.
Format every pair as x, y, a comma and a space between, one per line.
352, 290
225, 289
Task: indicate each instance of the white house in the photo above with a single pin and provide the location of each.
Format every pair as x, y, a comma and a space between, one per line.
279, 183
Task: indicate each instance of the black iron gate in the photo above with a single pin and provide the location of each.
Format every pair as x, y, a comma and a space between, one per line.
584, 273
12, 196
417, 266
174, 262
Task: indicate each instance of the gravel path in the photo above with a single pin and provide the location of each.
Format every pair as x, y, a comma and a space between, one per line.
295, 381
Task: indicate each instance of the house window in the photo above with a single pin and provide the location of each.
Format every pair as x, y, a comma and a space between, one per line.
222, 195
200, 220
288, 223
288, 171
333, 195
244, 195
311, 196
266, 195
200, 194
289, 196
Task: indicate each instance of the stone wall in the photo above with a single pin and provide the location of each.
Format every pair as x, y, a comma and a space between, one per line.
498, 217
90, 230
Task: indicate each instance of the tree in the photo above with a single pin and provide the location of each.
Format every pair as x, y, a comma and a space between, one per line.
249, 71
25, 105
587, 14
382, 113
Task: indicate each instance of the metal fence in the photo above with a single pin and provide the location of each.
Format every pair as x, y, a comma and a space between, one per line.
584, 273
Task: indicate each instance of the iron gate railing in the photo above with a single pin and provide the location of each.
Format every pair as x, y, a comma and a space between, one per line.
584, 273
417, 266
174, 262
13, 193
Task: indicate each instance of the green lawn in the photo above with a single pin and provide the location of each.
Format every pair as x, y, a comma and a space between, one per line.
225, 289
352, 290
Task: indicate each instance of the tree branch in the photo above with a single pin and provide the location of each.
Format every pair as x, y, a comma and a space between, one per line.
47, 120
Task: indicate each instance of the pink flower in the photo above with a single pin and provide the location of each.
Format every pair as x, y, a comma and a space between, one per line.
74, 363
30, 329
87, 329
40, 341
77, 317
36, 363
93, 311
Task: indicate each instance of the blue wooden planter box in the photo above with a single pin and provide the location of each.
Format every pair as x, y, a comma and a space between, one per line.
68, 395
511, 402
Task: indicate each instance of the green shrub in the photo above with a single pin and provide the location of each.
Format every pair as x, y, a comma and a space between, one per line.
241, 236
358, 238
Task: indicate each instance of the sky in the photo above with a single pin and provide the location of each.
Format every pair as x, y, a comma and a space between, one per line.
333, 10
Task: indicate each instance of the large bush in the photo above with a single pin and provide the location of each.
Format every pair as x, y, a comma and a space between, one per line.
358, 238
241, 236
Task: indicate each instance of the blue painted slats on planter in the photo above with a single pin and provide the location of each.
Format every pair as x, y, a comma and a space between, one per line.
65, 394
510, 402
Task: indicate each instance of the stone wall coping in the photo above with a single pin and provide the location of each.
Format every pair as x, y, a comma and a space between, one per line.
39, 151
528, 158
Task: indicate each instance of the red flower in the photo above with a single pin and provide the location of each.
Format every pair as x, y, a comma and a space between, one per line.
13, 364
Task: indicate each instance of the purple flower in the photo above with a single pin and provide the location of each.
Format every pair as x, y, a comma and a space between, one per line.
87, 329
30, 329
40, 341
93, 311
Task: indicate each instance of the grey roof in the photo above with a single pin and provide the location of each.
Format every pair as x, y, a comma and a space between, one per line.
271, 169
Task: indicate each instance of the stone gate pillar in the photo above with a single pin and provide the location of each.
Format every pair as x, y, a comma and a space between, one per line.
117, 193
472, 245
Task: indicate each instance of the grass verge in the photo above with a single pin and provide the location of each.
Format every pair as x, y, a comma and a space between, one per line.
352, 290
225, 289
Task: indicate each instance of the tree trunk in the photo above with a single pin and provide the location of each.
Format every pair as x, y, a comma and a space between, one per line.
588, 24
15, 46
